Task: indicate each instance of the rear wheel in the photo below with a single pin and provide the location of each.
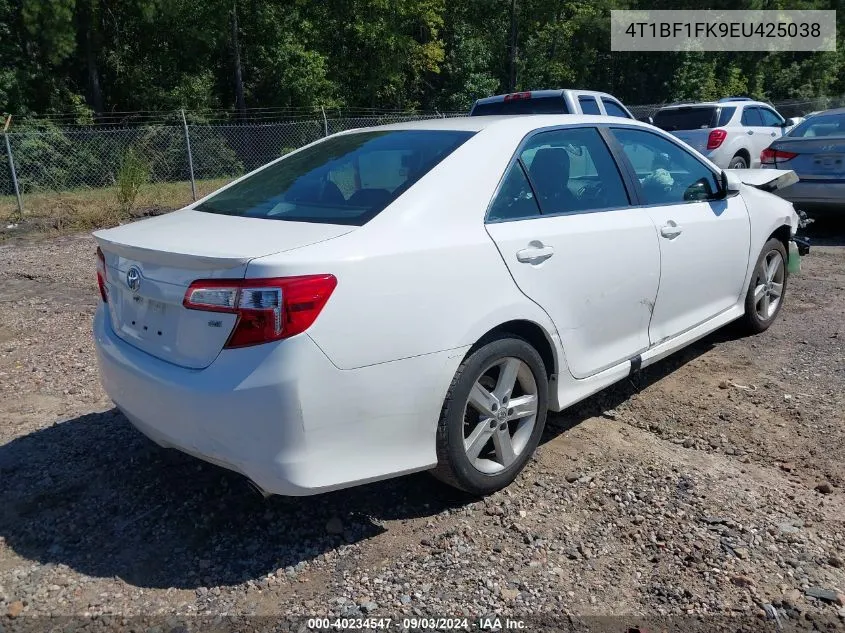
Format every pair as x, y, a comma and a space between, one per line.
738, 162
493, 416
767, 289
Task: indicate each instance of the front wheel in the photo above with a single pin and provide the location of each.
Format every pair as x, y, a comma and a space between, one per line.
767, 289
493, 416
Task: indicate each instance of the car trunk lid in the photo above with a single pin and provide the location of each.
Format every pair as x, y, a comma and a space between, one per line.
821, 159
150, 265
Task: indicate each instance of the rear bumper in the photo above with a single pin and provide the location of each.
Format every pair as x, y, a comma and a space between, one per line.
816, 197
282, 414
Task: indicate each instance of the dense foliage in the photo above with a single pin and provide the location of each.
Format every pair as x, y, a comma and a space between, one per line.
92, 56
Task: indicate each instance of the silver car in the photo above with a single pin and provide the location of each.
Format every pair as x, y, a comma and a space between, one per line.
731, 132
815, 151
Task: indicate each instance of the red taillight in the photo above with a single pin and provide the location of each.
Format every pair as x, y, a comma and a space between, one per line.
517, 96
267, 309
771, 156
716, 138
101, 275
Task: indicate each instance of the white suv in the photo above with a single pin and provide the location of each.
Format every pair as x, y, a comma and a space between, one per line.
730, 132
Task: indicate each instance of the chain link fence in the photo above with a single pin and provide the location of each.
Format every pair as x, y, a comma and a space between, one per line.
50, 165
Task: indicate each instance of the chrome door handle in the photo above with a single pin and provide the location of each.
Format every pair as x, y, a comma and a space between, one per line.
534, 254
671, 230
750, 132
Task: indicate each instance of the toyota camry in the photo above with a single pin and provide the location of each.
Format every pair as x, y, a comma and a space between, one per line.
417, 296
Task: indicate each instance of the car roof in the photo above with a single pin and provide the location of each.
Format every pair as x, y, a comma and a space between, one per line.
730, 104
831, 111
520, 123
546, 93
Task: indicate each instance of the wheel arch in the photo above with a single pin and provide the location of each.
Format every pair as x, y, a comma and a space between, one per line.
533, 333
745, 153
784, 234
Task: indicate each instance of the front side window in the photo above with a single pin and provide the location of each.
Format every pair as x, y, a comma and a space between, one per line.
751, 117
589, 105
613, 109
572, 170
347, 179
667, 173
770, 119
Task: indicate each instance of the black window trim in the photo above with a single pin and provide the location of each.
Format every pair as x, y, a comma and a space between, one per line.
585, 97
630, 191
618, 105
636, 181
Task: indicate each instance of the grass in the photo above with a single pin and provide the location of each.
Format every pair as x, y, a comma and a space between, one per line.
88, 209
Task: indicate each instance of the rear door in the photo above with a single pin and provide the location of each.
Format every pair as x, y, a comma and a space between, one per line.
563, 223
704, 241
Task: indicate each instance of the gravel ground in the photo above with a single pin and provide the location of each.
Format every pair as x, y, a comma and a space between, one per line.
712, 487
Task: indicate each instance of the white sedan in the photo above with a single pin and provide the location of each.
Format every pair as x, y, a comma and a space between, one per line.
418, 296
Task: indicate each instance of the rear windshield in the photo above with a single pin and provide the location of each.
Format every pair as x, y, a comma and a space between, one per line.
820, 125
346, 179
535, 105
692, 118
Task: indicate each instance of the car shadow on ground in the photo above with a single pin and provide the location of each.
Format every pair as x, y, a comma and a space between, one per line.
94, 494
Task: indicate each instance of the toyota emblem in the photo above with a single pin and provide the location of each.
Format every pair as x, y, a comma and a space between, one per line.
133, 279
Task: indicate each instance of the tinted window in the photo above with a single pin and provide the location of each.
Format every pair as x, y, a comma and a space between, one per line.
515, 199
535, 105
686, 118
751, 117
725, 115
589, 105
346, 179
820, 125
667, 173
770, 119
572, 170
613, 109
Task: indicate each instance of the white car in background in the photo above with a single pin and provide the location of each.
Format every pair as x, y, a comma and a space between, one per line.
731, 132
417, 296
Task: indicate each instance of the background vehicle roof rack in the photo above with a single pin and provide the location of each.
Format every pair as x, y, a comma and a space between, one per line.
728, 99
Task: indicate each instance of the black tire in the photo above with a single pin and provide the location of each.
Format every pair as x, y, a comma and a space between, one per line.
738, 162
454, 465
752, 322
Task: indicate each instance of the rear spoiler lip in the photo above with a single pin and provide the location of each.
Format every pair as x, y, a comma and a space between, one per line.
766, 179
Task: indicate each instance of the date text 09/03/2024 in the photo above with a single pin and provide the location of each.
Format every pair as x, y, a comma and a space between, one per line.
491, 623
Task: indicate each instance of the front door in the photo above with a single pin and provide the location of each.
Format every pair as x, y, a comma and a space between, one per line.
704, 239
563, 224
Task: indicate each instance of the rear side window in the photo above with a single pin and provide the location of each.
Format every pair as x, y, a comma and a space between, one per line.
589, 105
346, 179
725, 115
686, 118
751, 117
613, 109
821, 125
522, 105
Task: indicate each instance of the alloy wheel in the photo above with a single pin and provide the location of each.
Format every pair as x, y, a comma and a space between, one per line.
500, 415
768, 285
